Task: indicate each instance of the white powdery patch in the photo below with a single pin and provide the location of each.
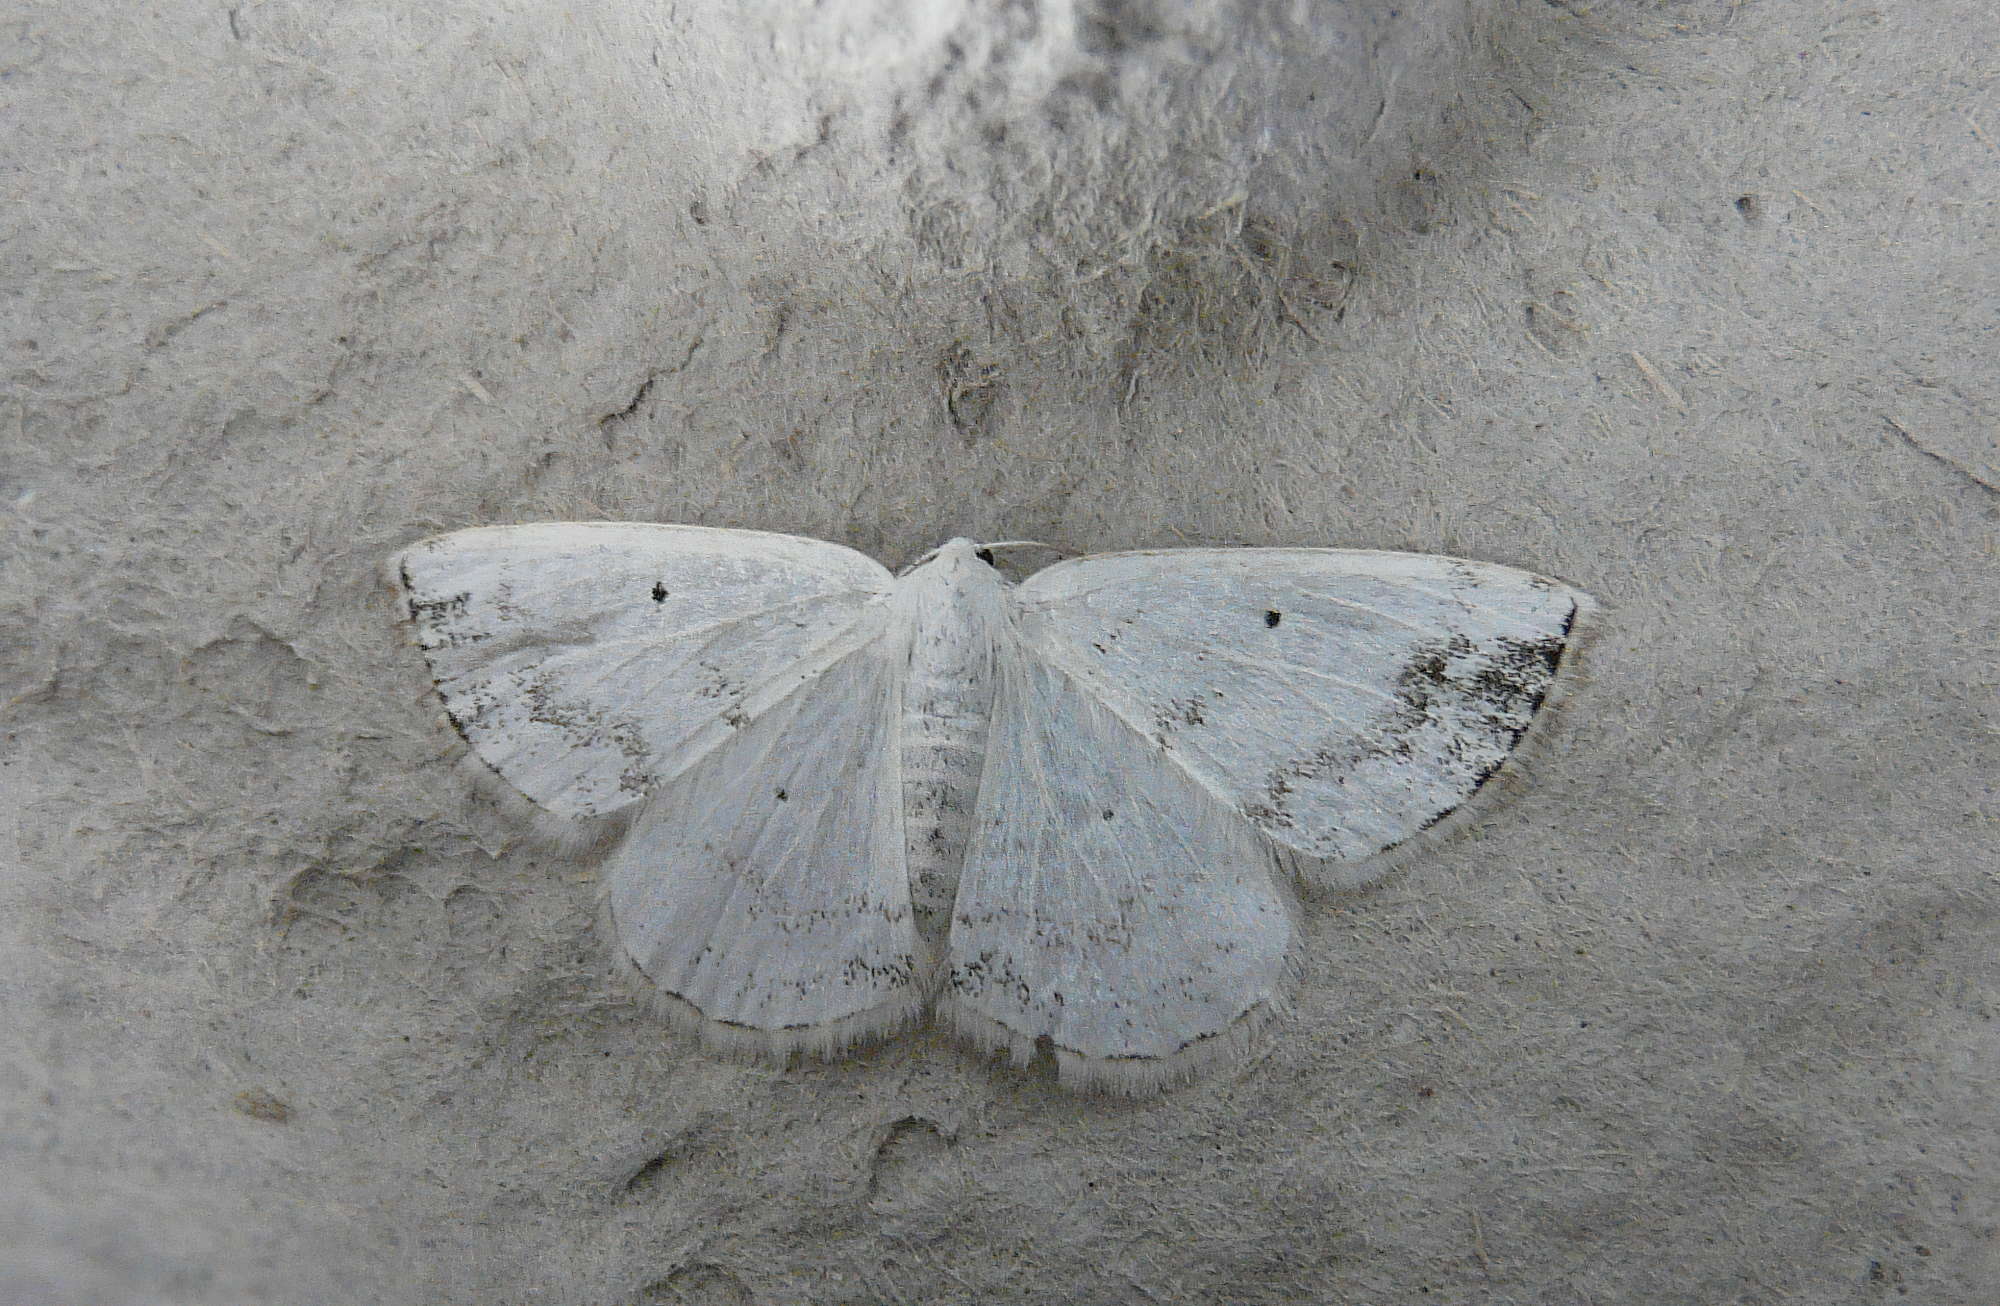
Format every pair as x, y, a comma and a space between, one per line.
1055, 814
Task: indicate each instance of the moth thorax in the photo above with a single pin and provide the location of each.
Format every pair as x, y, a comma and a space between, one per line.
947, 701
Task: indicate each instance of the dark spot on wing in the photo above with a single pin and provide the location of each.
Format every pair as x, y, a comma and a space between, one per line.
1273, 617
783, 796
659, 592
984, 555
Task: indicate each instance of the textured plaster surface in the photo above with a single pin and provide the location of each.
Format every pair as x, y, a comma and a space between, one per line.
1688, 303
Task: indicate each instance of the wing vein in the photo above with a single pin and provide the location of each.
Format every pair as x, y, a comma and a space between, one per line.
1455, 599
1359, 606
1300, 667
729, 622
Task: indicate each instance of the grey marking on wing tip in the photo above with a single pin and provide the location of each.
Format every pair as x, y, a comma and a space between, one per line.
1518, 674
1492, 696
433, 616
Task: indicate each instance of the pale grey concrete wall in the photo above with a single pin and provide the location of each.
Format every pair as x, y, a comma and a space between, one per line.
1690, 304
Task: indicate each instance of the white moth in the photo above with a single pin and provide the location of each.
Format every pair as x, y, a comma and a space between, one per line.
1052, 813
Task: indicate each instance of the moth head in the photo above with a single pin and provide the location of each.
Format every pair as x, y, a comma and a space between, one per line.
1002, 555
955, 552
962, 552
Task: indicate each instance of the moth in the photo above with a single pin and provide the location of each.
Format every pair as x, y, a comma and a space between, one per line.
1058, 815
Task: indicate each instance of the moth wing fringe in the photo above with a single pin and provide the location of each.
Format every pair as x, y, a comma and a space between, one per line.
1129, 1077
552, 830
743, 1043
